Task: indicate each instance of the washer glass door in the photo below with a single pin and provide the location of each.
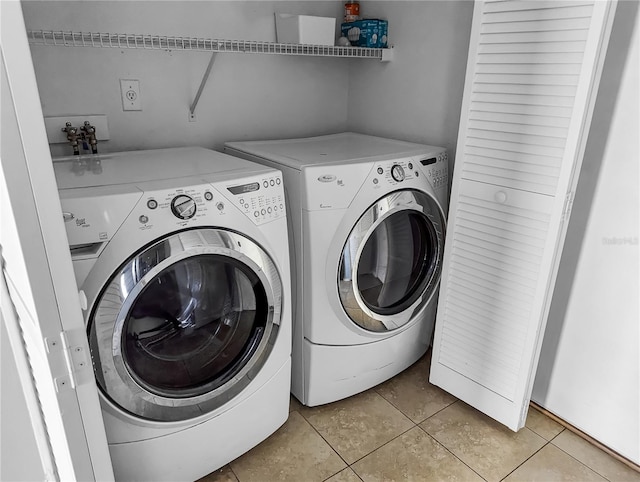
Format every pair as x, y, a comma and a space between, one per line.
185, 324
391, 262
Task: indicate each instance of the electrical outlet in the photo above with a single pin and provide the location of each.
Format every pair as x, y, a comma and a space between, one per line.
54, 126
130, 90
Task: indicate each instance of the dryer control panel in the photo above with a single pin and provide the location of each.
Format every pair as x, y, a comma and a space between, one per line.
437, 169
396, 172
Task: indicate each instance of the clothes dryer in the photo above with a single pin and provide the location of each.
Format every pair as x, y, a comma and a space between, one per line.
367, 223
182, 263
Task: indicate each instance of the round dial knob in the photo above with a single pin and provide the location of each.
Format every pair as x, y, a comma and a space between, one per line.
397, 173
183, 207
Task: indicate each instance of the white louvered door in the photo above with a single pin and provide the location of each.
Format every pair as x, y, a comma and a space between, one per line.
532, 77
39, 303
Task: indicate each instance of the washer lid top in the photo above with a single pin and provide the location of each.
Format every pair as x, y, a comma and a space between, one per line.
143, 166
337, 148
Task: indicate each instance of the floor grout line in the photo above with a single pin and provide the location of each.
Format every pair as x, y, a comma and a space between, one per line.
386, 443
326, 441
454, 455
547, 442
580, 461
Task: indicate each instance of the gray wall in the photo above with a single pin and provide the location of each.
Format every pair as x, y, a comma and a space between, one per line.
415, 97
247, 96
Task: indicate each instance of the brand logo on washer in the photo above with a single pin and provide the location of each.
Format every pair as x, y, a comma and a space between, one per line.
327, 178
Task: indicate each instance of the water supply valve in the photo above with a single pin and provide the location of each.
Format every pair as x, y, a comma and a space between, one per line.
72, 137
89, 133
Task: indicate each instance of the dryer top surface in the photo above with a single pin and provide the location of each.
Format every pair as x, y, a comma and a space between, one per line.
344, 148
148, 165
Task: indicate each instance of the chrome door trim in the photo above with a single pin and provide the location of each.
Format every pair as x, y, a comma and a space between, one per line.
113, 305
369, 221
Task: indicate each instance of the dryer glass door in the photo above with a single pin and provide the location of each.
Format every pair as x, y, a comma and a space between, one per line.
186, 324
390, 265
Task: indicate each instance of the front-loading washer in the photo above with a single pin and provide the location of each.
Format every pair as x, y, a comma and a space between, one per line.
367, 223
182, 262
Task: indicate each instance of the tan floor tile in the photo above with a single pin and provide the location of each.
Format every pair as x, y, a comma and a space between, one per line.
221, 475
542, 425
553, 465
294, 404
414, 456
489, 448
412, 394
347, 475
357, 425
294, 453
596, 459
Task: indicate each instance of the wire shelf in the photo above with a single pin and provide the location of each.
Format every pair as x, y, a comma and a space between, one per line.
159, 42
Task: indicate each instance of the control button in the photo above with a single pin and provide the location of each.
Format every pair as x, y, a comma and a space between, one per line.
272, 182
380, 170
183, 207
397, 172
265, 184
220, 206
208, 195
152, 204
281, 206
275, 208
410, 166
143, 219
278, 181
256, 213
375, 180
241, 201
417, 174
246, 206
263, 212
269, 210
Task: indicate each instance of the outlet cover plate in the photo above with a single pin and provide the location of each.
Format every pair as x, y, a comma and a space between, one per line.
54, 126
130, 90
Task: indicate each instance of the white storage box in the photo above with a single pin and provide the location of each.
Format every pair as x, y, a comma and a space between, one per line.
305, 29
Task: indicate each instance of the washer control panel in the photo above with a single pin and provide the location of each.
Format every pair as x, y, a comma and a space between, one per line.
180, 205
260, 198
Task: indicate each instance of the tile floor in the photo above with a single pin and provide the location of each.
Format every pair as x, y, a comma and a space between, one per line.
408, 430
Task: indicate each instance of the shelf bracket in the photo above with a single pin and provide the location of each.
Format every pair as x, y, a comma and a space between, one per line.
192, 109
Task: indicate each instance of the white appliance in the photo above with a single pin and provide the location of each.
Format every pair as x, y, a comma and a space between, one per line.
367, 223
182, 261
